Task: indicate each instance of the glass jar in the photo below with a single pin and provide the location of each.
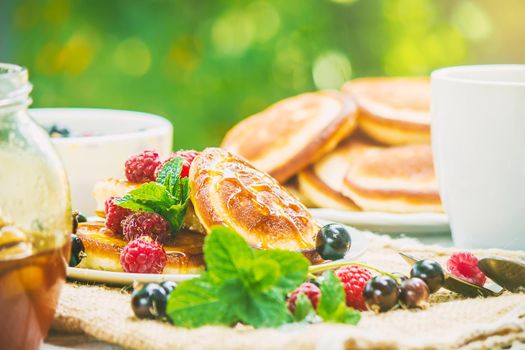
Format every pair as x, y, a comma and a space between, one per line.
35, 218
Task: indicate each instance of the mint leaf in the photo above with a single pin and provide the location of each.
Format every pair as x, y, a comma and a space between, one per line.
169, 174
266, 309
243, 285
332, 305
293, 267
303, 307
151, 197
260, 275
226, 253
167, 197
196, 303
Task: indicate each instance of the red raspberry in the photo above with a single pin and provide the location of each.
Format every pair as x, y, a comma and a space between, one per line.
464, 266
146, 224
115, 215
310, 290
141, 167
187, 159
143, 255
354, 279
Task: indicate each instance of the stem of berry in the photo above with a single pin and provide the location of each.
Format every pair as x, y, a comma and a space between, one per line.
333, 265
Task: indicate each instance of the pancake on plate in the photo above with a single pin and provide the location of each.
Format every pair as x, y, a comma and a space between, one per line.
396, 179
183, 252
118, 188
292, 186
292, 133
227, 190
393, 111
322, 182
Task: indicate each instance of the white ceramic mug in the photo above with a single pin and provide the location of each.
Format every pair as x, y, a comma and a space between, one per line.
478, 140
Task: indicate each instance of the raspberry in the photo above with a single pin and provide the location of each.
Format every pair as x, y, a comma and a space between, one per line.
115, 215
143, 255
310, 290
146, 224
464, 266
354, 279
141, 167
187, 159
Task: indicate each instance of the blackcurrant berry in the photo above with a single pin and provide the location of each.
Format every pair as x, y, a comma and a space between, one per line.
381, 293
77, 251
168, 286
333, 241
149, 301
429, 271
414, 293
77, 218
400, 277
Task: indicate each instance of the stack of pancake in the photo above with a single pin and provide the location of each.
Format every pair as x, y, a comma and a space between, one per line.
364, 148
225, 190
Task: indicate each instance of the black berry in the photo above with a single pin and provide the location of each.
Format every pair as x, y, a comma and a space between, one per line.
414, 293
333, 241
168, 286
400, 277
78, 217
149, 301
429, 271
77, 251
381, 293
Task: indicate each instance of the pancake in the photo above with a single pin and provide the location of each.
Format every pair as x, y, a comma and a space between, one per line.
227, 190
184, 251
292, 186
322, 182
393, 111
118, 188
396, 179
289, 135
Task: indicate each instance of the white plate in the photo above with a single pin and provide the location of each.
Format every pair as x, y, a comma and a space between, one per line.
418, 223
359, 245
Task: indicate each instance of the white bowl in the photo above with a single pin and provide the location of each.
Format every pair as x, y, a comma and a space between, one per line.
117, 135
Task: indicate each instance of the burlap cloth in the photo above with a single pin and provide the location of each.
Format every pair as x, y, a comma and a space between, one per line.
451, 322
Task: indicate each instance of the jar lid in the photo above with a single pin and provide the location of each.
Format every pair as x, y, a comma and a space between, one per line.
14, 85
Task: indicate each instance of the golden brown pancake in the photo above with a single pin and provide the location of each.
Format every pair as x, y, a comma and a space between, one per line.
184, 251
289, 135
322, 182
396, 179
227, 190
292, 186
118, 188
393, 111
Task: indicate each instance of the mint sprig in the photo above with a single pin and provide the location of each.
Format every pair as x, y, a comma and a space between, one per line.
332, 306
250, 286
244, 285
168, 196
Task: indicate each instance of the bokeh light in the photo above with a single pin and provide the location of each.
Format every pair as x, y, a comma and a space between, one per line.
207, 64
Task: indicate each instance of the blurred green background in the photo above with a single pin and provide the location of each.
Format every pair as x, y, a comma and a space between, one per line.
207, 64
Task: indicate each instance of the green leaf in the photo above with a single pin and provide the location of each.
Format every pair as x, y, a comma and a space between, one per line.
332, 305
150, 196
226, 253
293, 267
303, 307
259, 309
196, 303
169, 175
129, 203
260, 275
332, 295
155, 197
